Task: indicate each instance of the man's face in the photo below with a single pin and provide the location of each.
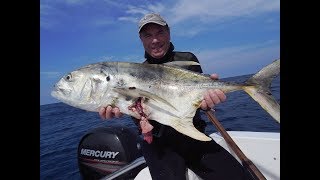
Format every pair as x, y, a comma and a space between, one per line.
155, 39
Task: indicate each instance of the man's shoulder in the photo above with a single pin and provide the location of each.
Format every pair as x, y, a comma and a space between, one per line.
187, 56
184, 53
184, 56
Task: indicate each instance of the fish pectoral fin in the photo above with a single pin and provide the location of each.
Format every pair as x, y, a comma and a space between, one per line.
186, 127
182, 64
133, 92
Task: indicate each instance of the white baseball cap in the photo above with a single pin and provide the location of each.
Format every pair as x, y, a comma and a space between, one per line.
151, 18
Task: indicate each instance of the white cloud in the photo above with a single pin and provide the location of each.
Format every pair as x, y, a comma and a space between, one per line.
225, 61
192, 17
48, 74
132, 10
136, 12
157, 8
130, 19
45, 10
76, 2
50, 15
213, 10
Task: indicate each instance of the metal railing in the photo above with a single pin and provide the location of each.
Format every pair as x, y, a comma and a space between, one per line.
125, 169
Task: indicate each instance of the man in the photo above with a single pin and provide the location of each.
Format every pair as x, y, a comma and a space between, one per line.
169, 153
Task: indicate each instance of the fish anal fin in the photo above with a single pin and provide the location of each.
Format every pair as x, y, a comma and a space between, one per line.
187, 128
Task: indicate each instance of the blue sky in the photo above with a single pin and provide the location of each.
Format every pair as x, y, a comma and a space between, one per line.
229, 37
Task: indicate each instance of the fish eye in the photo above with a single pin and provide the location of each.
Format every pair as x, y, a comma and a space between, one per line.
108, 78
68, 77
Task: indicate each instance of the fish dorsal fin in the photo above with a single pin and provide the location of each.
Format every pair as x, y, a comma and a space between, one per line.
181, 64
134, 92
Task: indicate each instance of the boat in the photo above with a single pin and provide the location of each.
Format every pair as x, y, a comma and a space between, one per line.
113, 153
262, 148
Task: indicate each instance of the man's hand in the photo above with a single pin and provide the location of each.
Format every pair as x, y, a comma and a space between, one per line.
109, 112
213, 96
146, 128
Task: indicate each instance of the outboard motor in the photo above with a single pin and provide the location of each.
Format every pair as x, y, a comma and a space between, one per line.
104, 150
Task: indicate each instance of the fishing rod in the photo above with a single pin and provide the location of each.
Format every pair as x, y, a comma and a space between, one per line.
247, 163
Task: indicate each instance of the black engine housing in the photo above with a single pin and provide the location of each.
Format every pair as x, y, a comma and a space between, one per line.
104, 150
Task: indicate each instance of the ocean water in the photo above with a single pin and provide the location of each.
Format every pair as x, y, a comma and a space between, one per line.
62, 127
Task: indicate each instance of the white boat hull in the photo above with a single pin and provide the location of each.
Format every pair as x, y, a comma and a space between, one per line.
262, 148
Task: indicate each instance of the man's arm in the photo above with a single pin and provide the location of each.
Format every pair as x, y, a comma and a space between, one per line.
212, 97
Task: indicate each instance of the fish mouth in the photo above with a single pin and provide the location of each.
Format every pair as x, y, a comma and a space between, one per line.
59, 92
55, 94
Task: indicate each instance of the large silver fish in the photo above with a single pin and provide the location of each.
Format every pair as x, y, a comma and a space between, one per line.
171, 94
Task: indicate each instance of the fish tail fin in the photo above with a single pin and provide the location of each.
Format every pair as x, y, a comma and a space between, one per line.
258, 87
